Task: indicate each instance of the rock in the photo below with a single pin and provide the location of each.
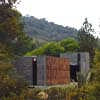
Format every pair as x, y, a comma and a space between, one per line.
42, 95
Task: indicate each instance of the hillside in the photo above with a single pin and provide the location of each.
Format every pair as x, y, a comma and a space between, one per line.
43, 30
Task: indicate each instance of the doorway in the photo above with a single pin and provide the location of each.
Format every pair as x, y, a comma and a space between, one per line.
34, 65
73, 72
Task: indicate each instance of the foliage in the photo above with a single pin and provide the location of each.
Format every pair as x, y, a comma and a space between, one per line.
11, 87
9, 84
90, 91
14, 42
56, 92
69, 44
7, 3
23, 45
55, 48
96, 69
87, 41
51, 48
12, 34
9, 24
98, 43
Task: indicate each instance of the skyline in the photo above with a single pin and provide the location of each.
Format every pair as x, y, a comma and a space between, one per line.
63, 12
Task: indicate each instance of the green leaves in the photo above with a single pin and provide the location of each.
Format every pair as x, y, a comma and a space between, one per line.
10, 25
7, 3
54, 48
87, 41
51, 48
70, 44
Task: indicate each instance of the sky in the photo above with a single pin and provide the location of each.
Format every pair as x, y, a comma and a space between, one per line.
64, 12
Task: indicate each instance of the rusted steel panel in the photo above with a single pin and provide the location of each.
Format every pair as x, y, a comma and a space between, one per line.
57, 70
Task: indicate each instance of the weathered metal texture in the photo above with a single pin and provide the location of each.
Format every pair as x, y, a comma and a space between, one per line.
41, 70
24, 68
57, 71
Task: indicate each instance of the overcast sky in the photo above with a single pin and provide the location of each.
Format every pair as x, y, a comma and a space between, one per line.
63, 12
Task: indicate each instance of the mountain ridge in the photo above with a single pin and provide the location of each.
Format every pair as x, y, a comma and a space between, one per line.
43, 30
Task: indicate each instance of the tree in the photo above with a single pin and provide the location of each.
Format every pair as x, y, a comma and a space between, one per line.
10, 85
87, 27
51, 48
96, 66
12, 32
7, 3
10, 28
55, 48
91, 90
87, 41
23, 45
98, 43
70, 45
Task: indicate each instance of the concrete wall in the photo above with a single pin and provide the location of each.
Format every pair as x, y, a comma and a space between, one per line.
71, 56
41, 70
24, 68
84, 60
50, 70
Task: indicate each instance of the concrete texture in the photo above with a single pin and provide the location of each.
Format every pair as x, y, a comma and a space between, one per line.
83, 62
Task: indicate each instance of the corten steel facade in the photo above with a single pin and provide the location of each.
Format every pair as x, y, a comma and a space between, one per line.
57, 71
44, 70
79, 62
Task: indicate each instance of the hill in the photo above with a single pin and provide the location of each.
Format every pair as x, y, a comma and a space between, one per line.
43, 30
